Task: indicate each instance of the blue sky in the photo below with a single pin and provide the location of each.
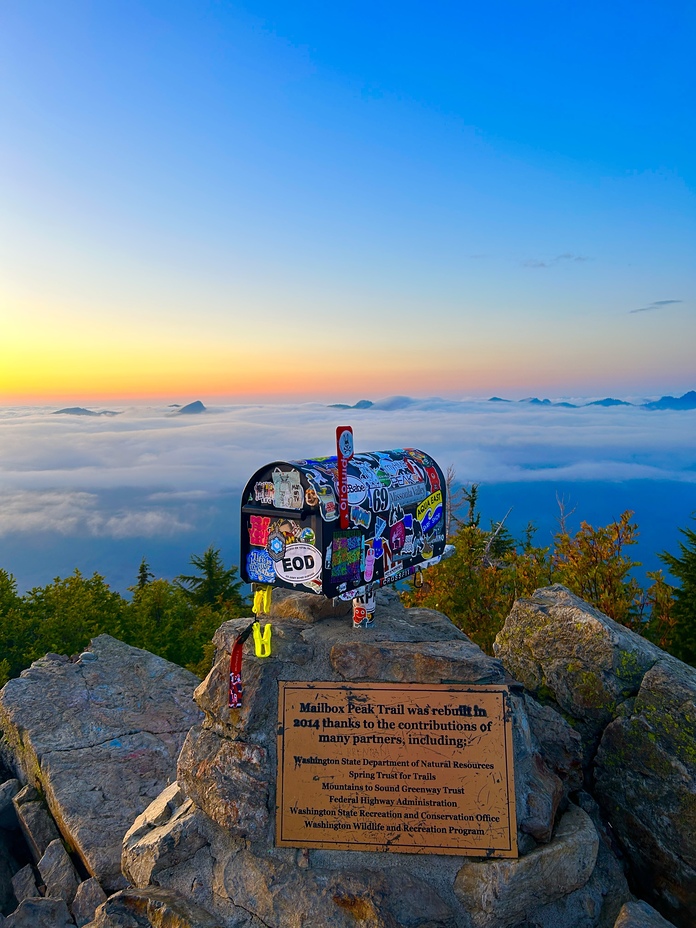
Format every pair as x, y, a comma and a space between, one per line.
220, 199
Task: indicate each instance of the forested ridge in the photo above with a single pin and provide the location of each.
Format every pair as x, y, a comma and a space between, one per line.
476, 588
175, 619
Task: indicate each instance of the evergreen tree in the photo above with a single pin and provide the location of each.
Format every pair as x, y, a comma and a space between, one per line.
65, 614
683, 567
145, 575
215, 585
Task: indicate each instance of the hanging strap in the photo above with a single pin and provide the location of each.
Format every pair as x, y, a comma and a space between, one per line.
236, 667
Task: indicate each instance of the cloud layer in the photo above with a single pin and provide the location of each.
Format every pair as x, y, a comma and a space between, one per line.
61, 474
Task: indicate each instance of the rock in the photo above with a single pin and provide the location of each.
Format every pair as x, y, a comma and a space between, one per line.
558, 743
538, 791
8, 816
159, 908
504, 893
635, 707
36, 823
284, 897
308, 607
24, 884
163, 837
58, 873
415, 662
645, 774
598, 902
228, 780
100, 738
88, 898
40, 913
640, 915
563, 649
212, 839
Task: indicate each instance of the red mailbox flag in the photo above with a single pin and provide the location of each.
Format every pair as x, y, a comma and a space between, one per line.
344, 452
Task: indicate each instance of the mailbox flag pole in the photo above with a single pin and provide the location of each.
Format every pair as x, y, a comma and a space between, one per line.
344, 452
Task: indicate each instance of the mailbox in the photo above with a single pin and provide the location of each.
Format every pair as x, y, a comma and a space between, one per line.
343, 526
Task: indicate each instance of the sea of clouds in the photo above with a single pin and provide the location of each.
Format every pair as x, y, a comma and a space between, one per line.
101, 492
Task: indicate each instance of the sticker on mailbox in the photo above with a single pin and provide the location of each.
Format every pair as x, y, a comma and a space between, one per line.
357, 491
429, 512
300, 563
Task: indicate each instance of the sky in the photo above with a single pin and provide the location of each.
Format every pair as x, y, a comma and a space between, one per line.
245, 202
100, 493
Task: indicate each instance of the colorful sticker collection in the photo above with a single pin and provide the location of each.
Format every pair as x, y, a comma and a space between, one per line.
396, 506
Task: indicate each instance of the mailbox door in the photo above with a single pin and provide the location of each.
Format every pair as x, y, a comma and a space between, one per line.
281, 547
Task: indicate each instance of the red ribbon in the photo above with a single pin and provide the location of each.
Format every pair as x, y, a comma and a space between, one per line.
236, 689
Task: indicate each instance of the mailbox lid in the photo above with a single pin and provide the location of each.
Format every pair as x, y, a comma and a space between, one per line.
397, 503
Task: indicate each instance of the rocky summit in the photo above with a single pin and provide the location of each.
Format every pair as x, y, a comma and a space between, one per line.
97, 740
602, 736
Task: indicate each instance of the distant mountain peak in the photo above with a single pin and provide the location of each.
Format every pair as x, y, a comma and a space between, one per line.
81, 411
686, 401
191, 409
609, 401
361, 404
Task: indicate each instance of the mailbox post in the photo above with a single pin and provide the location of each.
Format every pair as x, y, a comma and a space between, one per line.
293, 533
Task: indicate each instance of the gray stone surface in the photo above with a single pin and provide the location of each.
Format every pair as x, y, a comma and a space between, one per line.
640, 915
162, 839
563, 649
24, 884
212, 840
35, 820
635, 707
58, 873
40, 913
308, 607
645, 775
502, 893
155, 907
100, 738
88, 898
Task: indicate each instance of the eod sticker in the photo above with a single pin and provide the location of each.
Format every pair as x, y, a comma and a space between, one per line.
299, 564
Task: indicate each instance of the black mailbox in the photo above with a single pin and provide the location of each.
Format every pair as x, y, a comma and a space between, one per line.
343, 526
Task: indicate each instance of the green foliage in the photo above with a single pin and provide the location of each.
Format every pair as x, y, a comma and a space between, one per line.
478, 585
60, 617
683, 612
215, 585
592, 563
175, 620
144, 575
658, 605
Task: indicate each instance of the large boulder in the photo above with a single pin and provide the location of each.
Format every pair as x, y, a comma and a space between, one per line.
635, 707
211, 840
645, 773
500, 893
99, 738
565, 651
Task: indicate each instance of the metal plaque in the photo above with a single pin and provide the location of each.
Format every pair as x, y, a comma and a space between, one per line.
396, 767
